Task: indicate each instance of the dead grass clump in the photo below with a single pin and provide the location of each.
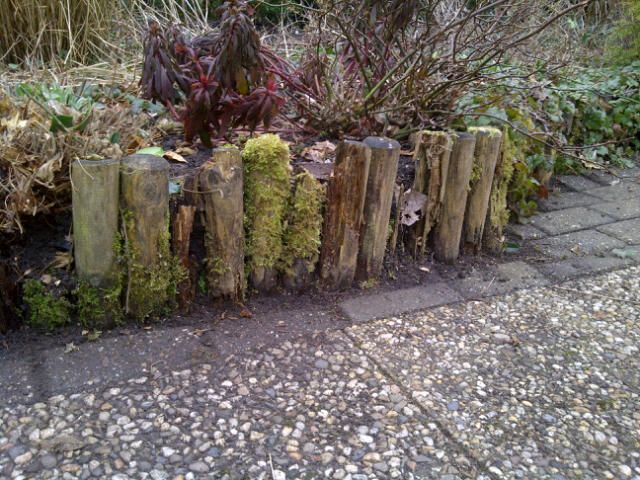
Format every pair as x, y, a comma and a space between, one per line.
35, 154
42, 31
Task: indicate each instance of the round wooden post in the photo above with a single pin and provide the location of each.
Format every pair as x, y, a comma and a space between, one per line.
220, 188
498, 211
374, 232
144, 185
449, 229
431, 157
487, 150
95, 220
344, 213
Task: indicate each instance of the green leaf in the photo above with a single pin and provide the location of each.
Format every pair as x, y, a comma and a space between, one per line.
157, 151
61, 122
511, 247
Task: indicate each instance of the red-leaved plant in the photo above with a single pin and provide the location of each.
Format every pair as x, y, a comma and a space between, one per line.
226, 78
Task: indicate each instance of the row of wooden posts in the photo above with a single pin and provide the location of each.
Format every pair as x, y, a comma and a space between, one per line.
454, 180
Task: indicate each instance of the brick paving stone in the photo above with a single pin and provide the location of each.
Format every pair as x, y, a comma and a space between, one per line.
503, 278
620, 210
576, 244
618, 193
576, 182
524, 231
559, 201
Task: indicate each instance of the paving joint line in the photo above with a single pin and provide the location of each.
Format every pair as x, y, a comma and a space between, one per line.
477, 462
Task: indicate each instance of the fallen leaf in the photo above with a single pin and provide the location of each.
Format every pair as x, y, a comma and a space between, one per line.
70, 347
413, 205
173, 156
408, 153
319, 151
156, 151
93, 336
246, 313
620, 253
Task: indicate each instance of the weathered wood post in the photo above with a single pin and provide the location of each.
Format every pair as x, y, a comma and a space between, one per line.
343, 215
487, 150
301, 244
498, 211
431, 156
220, 188
144, 185
180, 240
449, 229
95, 227
374, 231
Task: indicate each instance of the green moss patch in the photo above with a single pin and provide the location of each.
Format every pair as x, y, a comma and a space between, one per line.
46, 311
266, 191
303, 224
99, 307
151, 290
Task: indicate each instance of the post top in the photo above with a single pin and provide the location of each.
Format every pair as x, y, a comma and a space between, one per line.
145, 162
382, 143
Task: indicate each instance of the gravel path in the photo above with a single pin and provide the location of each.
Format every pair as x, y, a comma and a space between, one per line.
541, 383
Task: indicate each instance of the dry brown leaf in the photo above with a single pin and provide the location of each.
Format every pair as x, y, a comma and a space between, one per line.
185, 151
175, 157
413, 205
319, 152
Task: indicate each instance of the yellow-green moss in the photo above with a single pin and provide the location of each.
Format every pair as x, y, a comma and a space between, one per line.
45, 310
99, 307
303, 224
476, 171
151, 290
266, 190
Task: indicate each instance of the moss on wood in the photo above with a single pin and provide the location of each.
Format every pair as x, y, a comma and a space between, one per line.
303, 224
266, 177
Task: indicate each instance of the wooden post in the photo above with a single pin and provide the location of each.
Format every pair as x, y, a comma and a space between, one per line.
431, 157
144, 186
344, 213
374, 231
498, 211
180, 241
220, 188
449, 229
487, 150
301, 244
95, 220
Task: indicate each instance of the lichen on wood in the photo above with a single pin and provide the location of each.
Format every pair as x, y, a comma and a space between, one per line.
267, 179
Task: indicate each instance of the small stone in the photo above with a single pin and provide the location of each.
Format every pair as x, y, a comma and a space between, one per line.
453, 406
365, 438
167, 452
321, 363
24, 458
279, 475
199, 467
48, 461
625, 470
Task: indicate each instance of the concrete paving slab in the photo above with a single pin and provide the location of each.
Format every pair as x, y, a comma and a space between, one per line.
524, 231
315, 407
560, 201
504, 278
537, 384
577, 183
602, 177
624, 210
576, 245
369, 307
627, 230
569, 220
619, 192
586, 265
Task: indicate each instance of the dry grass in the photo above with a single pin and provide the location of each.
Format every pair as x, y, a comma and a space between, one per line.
66, 31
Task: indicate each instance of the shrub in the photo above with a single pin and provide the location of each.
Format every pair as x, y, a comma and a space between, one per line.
623, 44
